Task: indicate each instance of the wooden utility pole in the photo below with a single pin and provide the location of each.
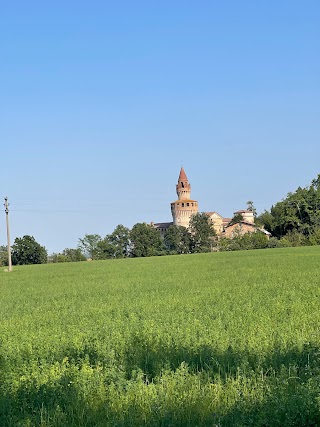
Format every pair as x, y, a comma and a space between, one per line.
6, 205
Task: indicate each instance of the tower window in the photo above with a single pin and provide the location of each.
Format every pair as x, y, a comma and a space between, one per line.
182, 204
182, 184
188, 204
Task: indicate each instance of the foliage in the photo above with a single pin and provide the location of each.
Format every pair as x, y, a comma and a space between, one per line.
3, 255
250, 207
218, 339
67, 255
26, 250
237, 217
202, 232
119, 240
177, 240
299, 212
256, 240
314, 238
146, 241
89, 244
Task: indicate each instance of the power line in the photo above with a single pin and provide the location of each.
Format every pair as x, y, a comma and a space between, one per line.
48, 211
6, 205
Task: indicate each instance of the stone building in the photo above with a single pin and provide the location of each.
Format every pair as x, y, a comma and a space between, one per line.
184, 207
181, 209
241, 228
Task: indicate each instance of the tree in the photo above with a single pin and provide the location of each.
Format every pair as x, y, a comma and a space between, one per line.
88, 245
120, 240
57, 257
251, 208
238, 217
26, 250
114, 245
3, 255
265, 220
73, 255
299, 211
255, 240
177, 239
202, 232
146, 241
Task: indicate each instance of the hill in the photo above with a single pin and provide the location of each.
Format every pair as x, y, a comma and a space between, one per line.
217, 339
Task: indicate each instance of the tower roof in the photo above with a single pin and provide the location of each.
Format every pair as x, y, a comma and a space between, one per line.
182, 175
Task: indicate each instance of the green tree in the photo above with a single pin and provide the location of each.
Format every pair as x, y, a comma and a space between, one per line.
177, 239
238, 217
299, 211
105, 249
73, 255
265, 220
202, 232
3, 255
146, 241
120, 240
57, 257
26, 250
251, 208
114, 245
89, 244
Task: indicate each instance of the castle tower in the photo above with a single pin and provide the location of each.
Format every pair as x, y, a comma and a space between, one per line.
183, 208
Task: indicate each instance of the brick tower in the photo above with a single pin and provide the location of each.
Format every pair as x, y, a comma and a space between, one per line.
183, 208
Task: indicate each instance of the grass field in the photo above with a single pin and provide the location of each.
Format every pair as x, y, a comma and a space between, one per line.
221, 339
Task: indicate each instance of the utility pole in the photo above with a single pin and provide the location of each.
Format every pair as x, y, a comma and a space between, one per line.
6, 205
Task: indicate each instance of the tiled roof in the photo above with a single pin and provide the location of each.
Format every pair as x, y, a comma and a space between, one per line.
162, 224
242, 222
212, 213
226, 220
182, 175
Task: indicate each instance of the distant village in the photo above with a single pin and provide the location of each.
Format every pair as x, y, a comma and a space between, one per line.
184, 207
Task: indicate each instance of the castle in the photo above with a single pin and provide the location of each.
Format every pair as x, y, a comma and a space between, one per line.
184, 207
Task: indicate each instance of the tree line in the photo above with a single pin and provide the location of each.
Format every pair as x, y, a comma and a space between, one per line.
143, 240
294, 221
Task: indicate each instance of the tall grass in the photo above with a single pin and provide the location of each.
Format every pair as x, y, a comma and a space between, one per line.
222, 339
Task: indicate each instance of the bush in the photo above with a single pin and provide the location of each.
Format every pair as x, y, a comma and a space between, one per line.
274, 243
296, 238
314, 238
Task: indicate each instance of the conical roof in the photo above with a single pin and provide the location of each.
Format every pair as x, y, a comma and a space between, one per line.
182, 175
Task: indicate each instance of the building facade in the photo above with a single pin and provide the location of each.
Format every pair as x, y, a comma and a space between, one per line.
184, 207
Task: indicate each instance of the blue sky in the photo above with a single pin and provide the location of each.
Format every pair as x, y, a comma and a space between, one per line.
102, 102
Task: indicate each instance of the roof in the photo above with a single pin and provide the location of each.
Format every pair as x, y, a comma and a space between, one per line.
265, 231
182, 175
163, 224
242, 222
226, 220
212, 213
252, 225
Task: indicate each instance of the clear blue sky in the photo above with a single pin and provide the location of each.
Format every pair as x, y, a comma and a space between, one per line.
102, 102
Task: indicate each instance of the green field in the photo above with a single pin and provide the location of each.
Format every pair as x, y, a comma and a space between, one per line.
220, 339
